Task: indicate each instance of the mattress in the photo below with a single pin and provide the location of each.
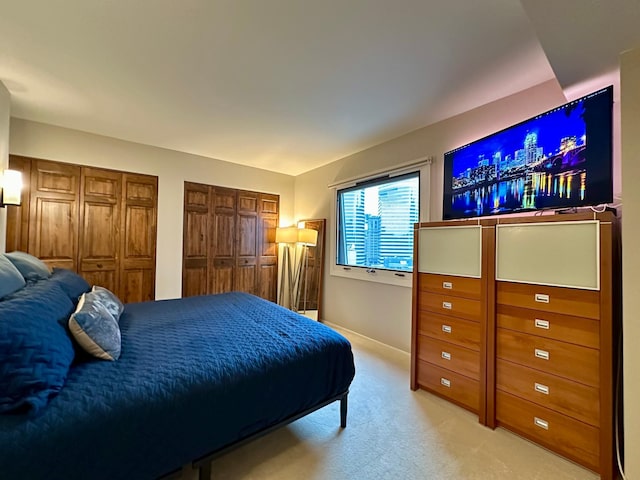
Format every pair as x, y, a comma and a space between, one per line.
195, 375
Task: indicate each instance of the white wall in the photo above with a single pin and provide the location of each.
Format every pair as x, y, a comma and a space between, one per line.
383, 312
630, 95
172, 168
5, 108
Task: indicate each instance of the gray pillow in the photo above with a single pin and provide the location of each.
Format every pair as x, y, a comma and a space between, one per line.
31, 268
95, 329
109, 300
10, 277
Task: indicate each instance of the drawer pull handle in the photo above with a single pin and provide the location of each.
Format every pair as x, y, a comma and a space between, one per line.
447, 305
446, 328
542, 298
446, 355
541, 388
538, 422
444, 382
447, 285
543, 354
544, 324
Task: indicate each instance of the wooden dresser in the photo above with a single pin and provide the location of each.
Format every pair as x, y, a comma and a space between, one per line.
450, 311
531, 339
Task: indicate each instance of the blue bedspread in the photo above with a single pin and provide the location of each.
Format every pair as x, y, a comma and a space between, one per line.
195, 375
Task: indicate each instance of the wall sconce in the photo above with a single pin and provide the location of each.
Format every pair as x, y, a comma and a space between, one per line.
10, 187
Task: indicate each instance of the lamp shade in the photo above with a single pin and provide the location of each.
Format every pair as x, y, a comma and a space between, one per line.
286, 235
307, 236
11, 187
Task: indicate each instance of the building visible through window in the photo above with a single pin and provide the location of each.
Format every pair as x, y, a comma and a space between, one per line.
375, 223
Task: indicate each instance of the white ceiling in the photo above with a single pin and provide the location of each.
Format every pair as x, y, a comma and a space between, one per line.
289, 85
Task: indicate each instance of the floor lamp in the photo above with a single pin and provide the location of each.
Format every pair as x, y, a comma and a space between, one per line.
287, 236
307, 237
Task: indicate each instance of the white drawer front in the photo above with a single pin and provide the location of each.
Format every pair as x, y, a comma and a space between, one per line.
451, 250
563, 254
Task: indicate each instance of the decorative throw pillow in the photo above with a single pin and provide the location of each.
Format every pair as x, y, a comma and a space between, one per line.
109, 300
35, 350
95, 329
10, 277
31, 268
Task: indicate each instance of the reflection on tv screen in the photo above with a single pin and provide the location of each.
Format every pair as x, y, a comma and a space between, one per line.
560, 158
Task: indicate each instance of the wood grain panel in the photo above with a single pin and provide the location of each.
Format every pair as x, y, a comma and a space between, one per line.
224, 272
576, 440
568, 301
457, 388
447, 355
139, 231
550, 391
451, 306
195, 282
267, 282
451, 285
196, 239
464, 333
564, 359
581, 331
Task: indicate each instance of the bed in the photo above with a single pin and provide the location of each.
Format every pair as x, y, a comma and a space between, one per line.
196, 377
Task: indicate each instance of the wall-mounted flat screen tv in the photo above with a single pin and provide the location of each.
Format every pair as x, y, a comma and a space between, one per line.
558, 159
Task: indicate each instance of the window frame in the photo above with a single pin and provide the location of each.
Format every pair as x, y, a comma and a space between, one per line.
391, 277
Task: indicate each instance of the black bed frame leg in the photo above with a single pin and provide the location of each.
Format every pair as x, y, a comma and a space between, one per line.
205, 472
343, 411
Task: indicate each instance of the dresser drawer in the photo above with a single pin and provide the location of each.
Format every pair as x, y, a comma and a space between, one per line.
576, 440
564, 396
449, 356
457, 388
450, 305
568, 301
559, 358
450, 329
581, 331
451, 285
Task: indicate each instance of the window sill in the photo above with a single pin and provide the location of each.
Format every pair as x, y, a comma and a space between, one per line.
400, 279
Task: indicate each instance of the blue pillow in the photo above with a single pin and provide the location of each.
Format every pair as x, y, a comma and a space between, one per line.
35, 350
31, 268
10, 277
72, 283
95, 329
109, 300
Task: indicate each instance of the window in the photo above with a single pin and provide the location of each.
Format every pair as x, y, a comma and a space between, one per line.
375, 223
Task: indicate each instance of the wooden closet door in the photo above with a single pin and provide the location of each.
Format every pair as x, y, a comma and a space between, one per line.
196, 239
223, 247
53, 216
100, 199
18, 215
247, 243
268, 258
138, 238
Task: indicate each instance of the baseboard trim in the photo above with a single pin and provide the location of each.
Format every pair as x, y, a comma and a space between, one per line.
340, 327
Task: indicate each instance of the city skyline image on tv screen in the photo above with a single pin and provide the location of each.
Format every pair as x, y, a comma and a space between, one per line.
560, 158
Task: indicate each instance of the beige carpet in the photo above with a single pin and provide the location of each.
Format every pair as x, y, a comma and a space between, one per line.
392, 433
